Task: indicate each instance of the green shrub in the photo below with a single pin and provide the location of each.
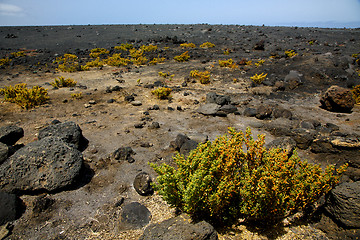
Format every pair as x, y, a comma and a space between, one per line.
207, 45
149, 48
95, 63
221, 182
62, 82
182, 57
258, 79
203, 77
96, 52
69, 63
229, 63
4, 61
124, 47
116, 60
187, 45
162, 93
25, 97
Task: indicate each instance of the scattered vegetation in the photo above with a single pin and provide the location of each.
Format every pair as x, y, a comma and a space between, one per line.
259, 63
149, 48
136, 53
166, 75
4, 61
62, 82
203, 77
187, 45
258, 79
207, 45
157, 60
356, 93
69, 63
221, 182
290, 53
183, 57
162, 93
124, 47
96, 52
17, 54
229, 63
116, 60
77, 95
25, 97
95, 63
142, 60
226, 52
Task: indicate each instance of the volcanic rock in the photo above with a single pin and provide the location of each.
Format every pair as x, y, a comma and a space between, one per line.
179, 227
123, 154
343, 204
142, 184
134, 216
4, 152
48, 164
11, 134
69, 132
9, 207
337, 99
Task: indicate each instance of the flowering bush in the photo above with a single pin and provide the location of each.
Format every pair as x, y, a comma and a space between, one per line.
203, 77
62, 82
162, 93
229, 63
258, 78
221, 182
25, 97
182, 57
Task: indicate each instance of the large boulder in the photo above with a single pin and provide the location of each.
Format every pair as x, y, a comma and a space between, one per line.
337, 99
9, 207
9, 135
48, 164
134, 216
4, 152
218, 99
179, 228
69, 132
343, 204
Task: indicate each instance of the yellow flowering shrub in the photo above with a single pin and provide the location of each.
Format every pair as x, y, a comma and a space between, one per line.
23, 96
4, 61
229, 63
187, 45
18, 54
207, 45
149, 48
62, 82
236, 177
116, 60
203, 77
290, 53
96, 52
69, 63
258, 79
182, 57
162, 92
124, 47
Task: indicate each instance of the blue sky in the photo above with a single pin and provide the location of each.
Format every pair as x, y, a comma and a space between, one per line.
308, 13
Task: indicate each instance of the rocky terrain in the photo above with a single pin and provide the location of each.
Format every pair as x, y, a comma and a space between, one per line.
78, 168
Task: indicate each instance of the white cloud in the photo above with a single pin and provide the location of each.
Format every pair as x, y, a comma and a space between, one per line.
10, 10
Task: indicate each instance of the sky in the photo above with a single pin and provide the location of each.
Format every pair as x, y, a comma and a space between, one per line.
302, 13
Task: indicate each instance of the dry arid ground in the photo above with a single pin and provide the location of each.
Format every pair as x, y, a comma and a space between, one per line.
91, 210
